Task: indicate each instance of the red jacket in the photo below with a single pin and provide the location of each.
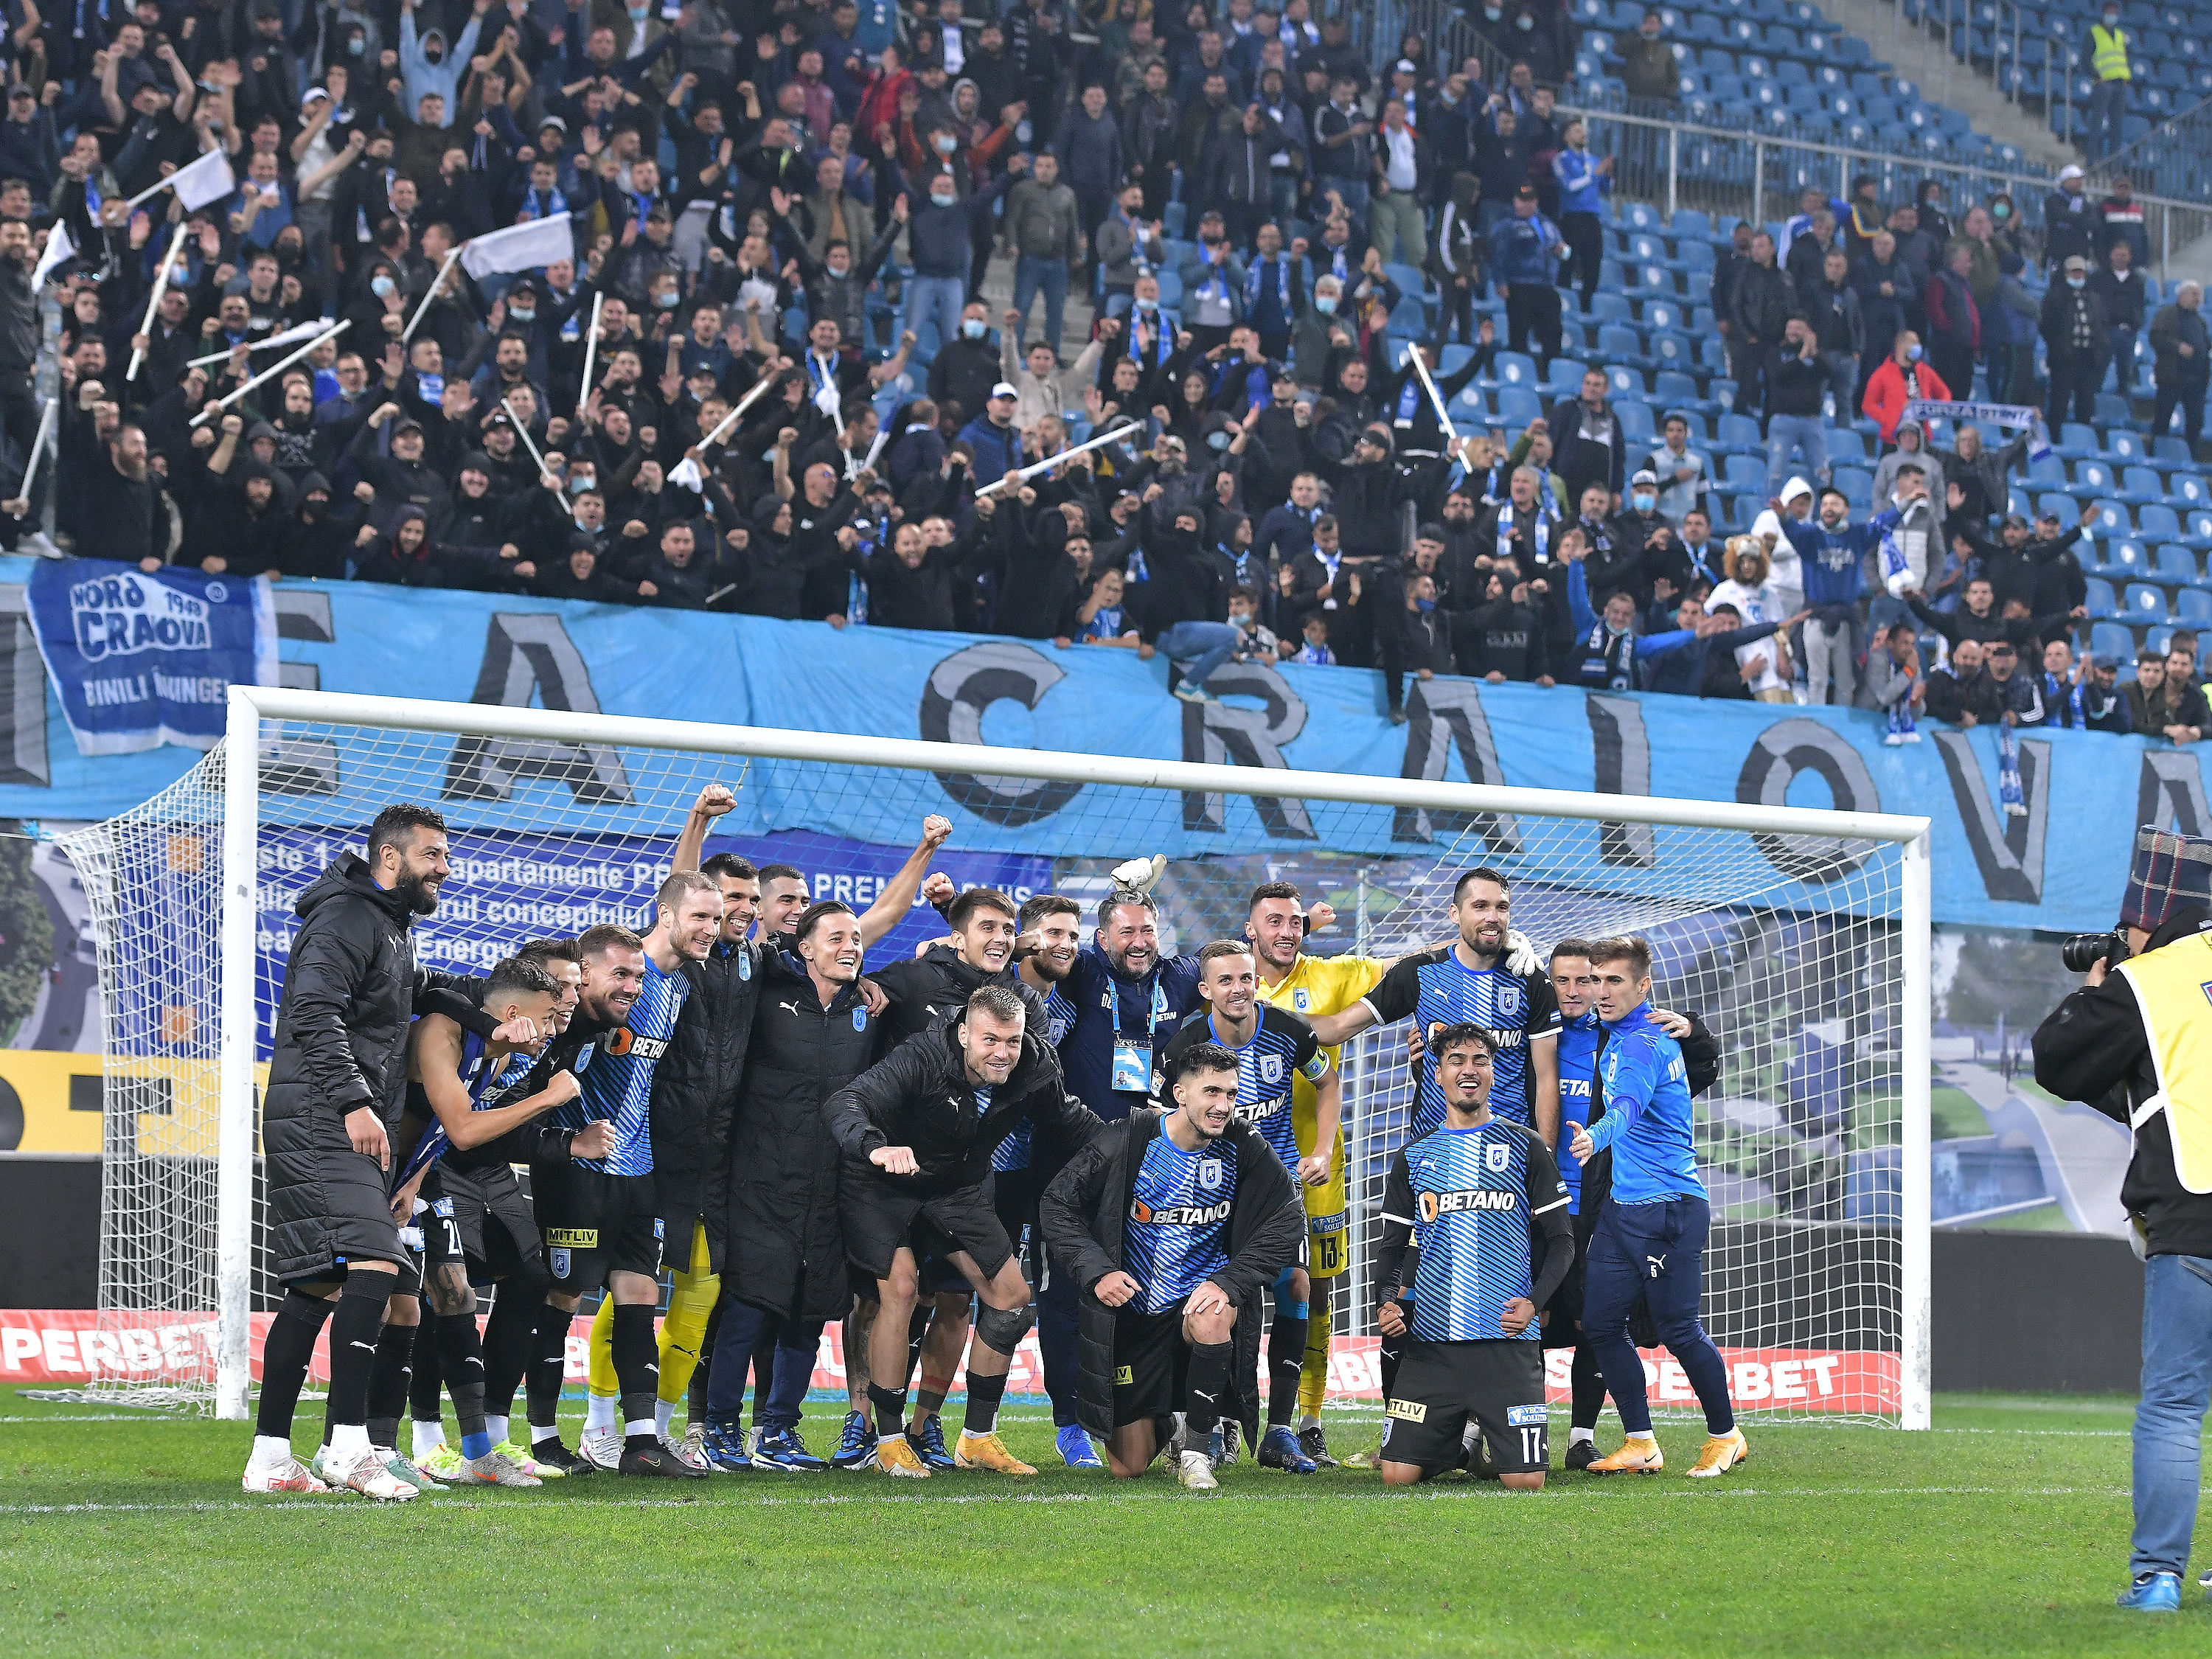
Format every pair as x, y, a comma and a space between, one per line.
1887, 395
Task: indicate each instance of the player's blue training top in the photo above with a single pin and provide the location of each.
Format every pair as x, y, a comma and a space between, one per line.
485, 1084
1109, 1010
615, 1072
1437, 988
1177, 1235
1282, 1046
1013, 1152
1647, 1114
1580, 1039
1471, 1197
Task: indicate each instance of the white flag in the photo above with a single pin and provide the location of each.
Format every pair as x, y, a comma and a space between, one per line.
59, 248
524, 247
688, 474
292, 335
208, 179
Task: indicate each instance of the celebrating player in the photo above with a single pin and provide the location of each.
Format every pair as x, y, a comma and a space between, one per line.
1651, 1228
1473, 1194
1170, 1222
1272, 1045
918, 1131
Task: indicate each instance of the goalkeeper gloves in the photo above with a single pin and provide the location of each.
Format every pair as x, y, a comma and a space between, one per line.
1521, 953
1140, 875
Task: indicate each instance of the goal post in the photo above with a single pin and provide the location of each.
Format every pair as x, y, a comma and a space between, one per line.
1803, 933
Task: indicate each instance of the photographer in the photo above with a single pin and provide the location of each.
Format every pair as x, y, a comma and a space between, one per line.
2132, 1043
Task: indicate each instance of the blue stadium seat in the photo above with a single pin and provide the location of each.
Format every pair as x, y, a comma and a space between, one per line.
2112, 410
2198, 534
2141, 602
2167, 448
1747, 472
2187, 490
2112, 639
2076, 442
2125, 560
1515, 368
2101, 603
1673, 352
2090, 480
1740, 432
1518, 405
1674, 389
2140, 486
2122, 445
2193, 605
1563, 376
1622, 381
1635, 421
2157, 522
1858, 485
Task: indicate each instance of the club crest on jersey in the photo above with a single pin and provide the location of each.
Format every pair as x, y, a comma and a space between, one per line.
557, 1260
441, 1206
1302, 1000
1209, 1173
1495, 1158
1057, 1029
859, 1020
1270, 1068
583, 1058
1508, 1001
744, 965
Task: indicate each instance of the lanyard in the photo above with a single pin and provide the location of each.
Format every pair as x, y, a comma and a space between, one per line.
1158, 1010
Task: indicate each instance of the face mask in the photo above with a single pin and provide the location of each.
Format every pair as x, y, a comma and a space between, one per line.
639, 14
2001, 212
1493, 13
972, 327
666, 300
433, 56
943, 198
1325, 304
1912, 353
945, 143
1217, 441
1148, 305
356, 45
1425, 604
577, 486
1524, 23
513, 315
1645, 503
2077, 282
382, 287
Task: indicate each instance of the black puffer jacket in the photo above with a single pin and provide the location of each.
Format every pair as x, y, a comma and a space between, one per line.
785, 1250
1084, 1218
349, 988
919, 1096
694, 1096
935, 986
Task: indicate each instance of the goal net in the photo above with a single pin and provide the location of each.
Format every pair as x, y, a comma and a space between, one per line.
1798, 936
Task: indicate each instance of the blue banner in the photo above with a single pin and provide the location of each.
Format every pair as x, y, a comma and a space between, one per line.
138, 661
2059, 864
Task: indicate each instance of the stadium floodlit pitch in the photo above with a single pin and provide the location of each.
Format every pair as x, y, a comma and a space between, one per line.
2003, 1532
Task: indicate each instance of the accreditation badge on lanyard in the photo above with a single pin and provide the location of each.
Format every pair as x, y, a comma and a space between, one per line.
1132, 1060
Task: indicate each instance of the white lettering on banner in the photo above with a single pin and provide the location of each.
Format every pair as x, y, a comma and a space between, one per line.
122, 616
15, 1346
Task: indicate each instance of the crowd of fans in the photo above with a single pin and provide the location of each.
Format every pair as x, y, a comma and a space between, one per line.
810, 195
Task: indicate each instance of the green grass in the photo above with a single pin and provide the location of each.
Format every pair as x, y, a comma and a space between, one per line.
1952, 1115
2048, 1218
2003, 1532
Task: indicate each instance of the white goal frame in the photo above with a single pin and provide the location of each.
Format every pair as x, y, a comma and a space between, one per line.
251, 705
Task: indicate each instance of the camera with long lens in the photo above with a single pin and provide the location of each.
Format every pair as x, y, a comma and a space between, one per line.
2082, 951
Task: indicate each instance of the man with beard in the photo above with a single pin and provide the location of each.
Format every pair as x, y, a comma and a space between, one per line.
917, 1132
19, 337
338, 1080
107, 484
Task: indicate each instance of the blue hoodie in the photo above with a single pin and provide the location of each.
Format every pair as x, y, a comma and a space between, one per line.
1582, 188
1834, 561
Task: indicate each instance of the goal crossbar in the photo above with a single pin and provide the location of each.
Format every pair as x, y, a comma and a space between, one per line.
249, 706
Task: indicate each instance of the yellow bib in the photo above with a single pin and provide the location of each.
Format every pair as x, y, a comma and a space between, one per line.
2173, 987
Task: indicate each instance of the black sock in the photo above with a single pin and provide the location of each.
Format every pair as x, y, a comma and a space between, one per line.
984, 1394
637, 1363
1392, 1351
353, 1344
284, 1358
1205, 1383
548, 1368
1287, 1358
1589, 1388
889, 1406
460, 1356
695, 1401
426, 1382
387, 1383
510, 1338
917, 1330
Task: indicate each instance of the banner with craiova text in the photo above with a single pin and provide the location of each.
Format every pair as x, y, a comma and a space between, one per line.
74, 1348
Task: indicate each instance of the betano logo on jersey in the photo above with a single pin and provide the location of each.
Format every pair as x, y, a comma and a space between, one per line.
1433, 1205
624, 1042
1178, 1215
1260, 1109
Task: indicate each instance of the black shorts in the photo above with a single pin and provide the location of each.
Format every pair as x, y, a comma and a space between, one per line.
1014, 1197
595, 1225
1498, 1383
1151, 1363
879, 1217
499, 1234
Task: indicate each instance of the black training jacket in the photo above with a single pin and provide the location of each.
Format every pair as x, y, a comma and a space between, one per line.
919, 1096
936, 984
1084, 1214
694, 1096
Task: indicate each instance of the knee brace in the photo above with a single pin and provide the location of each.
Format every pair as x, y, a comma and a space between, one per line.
1285, 1308
1002, 1329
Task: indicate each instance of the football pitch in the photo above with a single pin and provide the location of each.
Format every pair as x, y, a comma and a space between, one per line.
2002, 1532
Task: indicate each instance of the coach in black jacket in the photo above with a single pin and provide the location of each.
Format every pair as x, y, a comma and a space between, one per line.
1085, 1213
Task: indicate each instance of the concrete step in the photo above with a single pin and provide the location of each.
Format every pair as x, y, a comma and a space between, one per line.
1919, 57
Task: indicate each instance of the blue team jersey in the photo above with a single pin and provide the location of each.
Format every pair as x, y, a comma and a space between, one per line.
1282, 1047
1177, 1234
1437, 988
1013, 1152
615, 1073
1580, 1039
1109, 1011
485, 1082
1647, 1121
1471, 1197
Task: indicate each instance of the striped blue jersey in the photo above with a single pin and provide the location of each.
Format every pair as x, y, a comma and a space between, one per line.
1282, 1047
1177, 1235
615, 1072
1580, 1039
1013, 1152
1437, 988
1471, 1197
485, 1082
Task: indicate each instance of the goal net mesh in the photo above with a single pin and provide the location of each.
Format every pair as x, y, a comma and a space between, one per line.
1786, 945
